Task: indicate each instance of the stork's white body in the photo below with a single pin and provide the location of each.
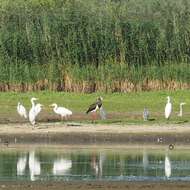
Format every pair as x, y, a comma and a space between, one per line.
168, 108
21, 110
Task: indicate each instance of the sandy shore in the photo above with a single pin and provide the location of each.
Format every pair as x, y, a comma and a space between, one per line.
73, 133
95, 185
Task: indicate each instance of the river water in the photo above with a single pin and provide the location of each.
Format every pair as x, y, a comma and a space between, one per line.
114, 164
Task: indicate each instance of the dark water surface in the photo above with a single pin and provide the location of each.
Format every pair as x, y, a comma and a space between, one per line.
94, 164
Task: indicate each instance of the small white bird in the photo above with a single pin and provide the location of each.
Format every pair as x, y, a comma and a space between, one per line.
21, 110
168, 108
63, 112
181, 109
32, 112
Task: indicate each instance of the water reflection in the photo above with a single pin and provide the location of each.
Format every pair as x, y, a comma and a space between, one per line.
95, 165
167, 166
61, 166
34, 166
145, 160
21, 165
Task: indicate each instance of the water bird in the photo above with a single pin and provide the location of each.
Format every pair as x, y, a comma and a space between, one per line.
38, 108
94, 107
168, 108
146, 114
32, 113
63, 112
103, 114
21, 110
181, 109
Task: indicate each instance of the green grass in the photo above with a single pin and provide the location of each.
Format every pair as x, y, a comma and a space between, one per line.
124, 108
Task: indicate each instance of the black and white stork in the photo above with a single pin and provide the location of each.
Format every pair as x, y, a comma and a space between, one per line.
94, 107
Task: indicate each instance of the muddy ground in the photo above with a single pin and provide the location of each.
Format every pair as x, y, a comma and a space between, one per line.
77, 133
94, 185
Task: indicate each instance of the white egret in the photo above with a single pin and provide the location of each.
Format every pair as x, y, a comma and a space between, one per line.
168, 108
32, 112
167, 167
38, 108
61, 166
34, 166
181, 109
21, 165
63, 112
21, 110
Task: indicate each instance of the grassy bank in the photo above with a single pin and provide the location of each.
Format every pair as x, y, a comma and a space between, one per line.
94, 45
120, 107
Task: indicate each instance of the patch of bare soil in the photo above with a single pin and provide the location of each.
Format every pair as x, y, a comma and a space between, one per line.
77, 133
94, 185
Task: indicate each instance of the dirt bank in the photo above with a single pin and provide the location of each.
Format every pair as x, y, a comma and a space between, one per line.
72, 133
94, 185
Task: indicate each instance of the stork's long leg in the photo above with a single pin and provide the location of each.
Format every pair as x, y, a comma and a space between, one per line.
93, 117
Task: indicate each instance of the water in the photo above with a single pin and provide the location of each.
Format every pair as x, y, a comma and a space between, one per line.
93, 164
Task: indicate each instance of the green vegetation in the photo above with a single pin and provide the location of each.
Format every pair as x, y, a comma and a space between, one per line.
83, 45
121, 107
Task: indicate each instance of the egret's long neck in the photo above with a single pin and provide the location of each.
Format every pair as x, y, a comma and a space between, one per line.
33, 104
55, 107
168, 100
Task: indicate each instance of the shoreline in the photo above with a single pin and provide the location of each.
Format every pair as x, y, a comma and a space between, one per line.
94, 134
95, 185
